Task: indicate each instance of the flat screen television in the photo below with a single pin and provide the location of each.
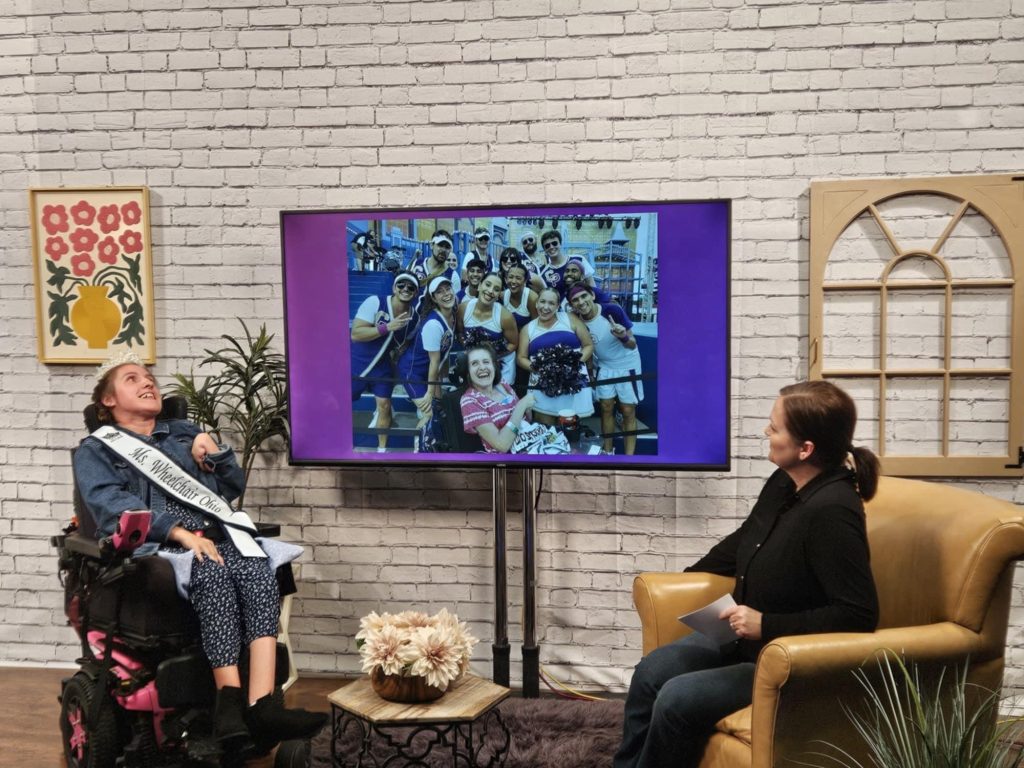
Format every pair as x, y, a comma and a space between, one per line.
658, 272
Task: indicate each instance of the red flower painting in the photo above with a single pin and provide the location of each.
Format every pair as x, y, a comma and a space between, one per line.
55, 219
109, 250
56, 247
109, 219
82, 213
131, 213
131, 241
94, 276
82, 264
83, 240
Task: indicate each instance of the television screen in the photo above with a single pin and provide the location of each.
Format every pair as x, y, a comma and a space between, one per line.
591, 336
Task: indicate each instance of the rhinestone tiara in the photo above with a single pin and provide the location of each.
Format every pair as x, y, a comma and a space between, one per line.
125, 357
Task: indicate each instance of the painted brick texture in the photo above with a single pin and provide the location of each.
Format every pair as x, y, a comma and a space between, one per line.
230, 112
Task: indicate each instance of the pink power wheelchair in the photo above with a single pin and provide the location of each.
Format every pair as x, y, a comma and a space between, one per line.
143, 695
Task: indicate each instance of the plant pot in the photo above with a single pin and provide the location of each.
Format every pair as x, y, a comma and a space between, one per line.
403, 690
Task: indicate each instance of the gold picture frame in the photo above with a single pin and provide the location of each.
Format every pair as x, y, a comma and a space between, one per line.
93, 263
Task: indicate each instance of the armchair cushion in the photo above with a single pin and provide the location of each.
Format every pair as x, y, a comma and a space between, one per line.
737, 725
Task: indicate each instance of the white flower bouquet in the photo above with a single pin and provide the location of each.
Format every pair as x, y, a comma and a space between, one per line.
413, 644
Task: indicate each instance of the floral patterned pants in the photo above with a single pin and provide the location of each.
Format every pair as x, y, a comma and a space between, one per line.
236, 603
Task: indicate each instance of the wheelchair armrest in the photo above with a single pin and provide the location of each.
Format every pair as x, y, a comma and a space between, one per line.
83, 545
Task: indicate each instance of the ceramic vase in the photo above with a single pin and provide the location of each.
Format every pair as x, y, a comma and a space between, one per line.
95, 316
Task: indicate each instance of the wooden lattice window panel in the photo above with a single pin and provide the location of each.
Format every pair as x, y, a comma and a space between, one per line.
916, 302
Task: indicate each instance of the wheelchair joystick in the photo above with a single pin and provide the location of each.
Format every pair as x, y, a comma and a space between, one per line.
131, 530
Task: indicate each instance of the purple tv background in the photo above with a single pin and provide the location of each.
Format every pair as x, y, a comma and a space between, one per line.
693, 336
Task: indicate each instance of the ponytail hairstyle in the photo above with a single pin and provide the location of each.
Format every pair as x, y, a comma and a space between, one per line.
822, 413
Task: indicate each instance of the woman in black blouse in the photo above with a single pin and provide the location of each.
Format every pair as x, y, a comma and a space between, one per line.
801, 565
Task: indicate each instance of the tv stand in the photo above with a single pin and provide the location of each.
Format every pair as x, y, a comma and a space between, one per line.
500, 647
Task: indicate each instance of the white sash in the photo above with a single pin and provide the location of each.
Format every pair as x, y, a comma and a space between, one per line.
160, 470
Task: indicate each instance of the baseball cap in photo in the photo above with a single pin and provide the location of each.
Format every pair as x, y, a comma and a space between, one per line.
481, 232
436, 283
441, 239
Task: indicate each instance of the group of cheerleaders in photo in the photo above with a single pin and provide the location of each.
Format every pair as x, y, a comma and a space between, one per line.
515, 317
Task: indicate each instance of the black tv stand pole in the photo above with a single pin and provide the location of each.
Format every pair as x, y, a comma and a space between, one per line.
531, 651
500, 648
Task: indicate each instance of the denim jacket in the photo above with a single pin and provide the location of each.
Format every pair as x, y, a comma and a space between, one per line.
109, 486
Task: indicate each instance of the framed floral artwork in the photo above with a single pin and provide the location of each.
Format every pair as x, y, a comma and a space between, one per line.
93, 263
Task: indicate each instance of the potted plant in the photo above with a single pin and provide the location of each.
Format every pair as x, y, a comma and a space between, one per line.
245, 399
909, 724
413, 657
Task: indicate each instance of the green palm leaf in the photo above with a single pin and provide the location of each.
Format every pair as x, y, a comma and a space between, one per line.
245, 400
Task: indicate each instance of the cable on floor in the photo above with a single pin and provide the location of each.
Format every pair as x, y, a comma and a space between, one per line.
563, 690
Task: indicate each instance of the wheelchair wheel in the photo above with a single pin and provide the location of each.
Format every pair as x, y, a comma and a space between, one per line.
292, 754
87, 744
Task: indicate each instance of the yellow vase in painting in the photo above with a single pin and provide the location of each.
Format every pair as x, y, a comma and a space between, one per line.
95, 316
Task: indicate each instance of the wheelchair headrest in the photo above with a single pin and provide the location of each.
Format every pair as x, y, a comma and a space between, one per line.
174, 407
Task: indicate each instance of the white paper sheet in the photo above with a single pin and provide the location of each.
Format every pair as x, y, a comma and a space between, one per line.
705, 620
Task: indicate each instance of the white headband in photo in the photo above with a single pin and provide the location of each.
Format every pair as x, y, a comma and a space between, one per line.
405, 278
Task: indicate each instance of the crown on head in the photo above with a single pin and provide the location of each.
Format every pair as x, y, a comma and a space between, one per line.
125, 357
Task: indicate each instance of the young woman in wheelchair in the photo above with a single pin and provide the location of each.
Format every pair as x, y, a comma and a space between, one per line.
235, 596
801, 564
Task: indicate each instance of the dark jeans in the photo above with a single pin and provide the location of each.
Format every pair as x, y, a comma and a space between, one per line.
678, 693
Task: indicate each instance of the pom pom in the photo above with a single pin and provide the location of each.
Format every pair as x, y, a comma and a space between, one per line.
559, 370
477, 336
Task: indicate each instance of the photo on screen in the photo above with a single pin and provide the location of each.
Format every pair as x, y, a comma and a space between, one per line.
589, 336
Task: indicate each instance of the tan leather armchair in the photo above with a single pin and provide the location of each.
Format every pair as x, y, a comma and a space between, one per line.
943, 562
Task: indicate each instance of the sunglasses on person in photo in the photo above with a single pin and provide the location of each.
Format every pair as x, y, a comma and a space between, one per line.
529, 240
509, 259
483, 238
550, 244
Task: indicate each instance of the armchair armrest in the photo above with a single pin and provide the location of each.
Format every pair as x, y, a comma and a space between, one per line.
801, 680
660, 598
809, 655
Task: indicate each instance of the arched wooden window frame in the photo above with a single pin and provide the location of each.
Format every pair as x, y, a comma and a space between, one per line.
834, 206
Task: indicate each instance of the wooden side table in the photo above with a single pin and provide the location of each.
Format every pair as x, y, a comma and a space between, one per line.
401, 735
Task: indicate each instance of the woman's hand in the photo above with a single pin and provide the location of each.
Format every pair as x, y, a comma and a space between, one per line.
745, 621
202, 446
424, 404
200, 545
528, 400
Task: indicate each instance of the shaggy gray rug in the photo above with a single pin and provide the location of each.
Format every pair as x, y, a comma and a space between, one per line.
545, 733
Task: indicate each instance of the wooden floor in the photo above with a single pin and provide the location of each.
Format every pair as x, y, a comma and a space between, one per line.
29, 713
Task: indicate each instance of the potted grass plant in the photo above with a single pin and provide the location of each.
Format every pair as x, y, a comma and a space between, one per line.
907, 723
244, 399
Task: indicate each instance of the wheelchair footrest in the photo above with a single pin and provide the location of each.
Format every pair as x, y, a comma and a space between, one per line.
185, 681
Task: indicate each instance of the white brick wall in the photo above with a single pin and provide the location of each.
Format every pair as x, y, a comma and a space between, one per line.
230, 112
